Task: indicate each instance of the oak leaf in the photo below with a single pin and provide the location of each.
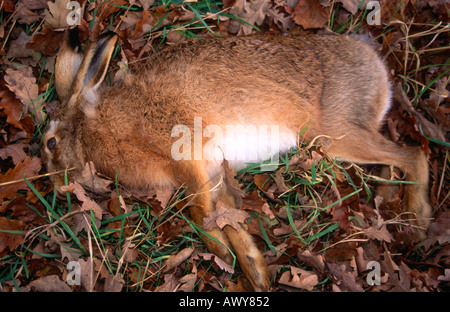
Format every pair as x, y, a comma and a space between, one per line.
224, 215
88, 203
109, 7
253, 12
26, 11
346, 280
57, 13
222, 264
313, 260
146, 4
18, 48
9, 240
11, 107
353, 5
378, 233
177, 259
15, 151
341, 214
91, 269
90, 178
170, 284
27, 168
309, 14
252, 201
47, 41
23, 84
50, 283
8, 5
188, 281
299, 278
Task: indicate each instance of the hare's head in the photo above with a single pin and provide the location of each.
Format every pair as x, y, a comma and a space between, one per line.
78, 77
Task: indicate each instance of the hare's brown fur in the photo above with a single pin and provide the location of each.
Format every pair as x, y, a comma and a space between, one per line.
333, 85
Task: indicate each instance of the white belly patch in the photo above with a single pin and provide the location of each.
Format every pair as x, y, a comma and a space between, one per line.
239, 144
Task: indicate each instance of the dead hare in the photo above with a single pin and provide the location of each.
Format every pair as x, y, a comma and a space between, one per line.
336, 86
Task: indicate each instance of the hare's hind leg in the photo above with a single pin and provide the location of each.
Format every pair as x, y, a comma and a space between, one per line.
370, 147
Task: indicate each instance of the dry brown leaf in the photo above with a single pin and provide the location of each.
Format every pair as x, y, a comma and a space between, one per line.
439, 231
281, 19
309, 14
177, 259
9, 240
68, 252
224, 215
341, 214
352, 5
233, 186
23, 84
279, 180
47, 41
254, 202
88, 203
29, 167
56, 15
381, 234
163, 195
222, 264
50, 283
113, 284
15, 151
27, 11
170, 284
271, 258
253, 12
91, 270
11, 107
20, 210
345, 280
429, 129
109, 7
129, 252
80, 222
8, 5
262, 181
299, 278
314, 261
90, 179
17, 48
146, 4
188, 281
284, 229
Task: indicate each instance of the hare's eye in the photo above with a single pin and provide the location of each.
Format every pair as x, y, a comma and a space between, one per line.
51, 144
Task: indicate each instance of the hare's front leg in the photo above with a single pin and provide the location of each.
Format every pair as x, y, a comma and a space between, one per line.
239, 241
249, 256
207, 192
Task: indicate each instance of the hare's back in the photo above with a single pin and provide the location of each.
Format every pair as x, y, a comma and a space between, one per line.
267, 79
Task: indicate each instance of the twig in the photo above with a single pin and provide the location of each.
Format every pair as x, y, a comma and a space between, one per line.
35, 177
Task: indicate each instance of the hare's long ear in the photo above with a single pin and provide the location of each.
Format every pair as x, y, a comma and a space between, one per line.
93, 69
67, 63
